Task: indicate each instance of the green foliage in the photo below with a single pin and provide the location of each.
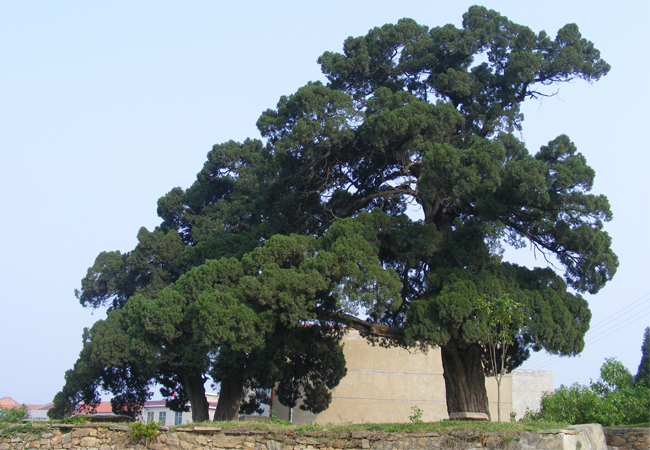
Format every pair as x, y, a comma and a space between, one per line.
146, 270
76, 420
104, 363
343, 430
310, 427
612, 400
502, 318
281, 422
416, 415
643, 373
141, 432
310, 225
13, 415
8, 429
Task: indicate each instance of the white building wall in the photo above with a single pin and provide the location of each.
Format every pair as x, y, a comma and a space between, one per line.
527, 389
38, 414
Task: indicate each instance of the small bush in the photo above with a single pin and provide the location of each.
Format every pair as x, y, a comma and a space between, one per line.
612, 400
416, 415
141, 432
76, 420
13, 415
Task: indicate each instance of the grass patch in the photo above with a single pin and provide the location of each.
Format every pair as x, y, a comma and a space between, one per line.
22, 429
338, 430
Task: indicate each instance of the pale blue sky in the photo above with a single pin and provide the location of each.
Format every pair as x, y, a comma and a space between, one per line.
106, 106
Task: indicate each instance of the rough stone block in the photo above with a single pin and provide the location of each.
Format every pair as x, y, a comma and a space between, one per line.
274, 445
172, 441
360, 434
206, 429
88, 442
470, 433
186, 445
220, 441
616, 441
468, 416
81, 432
337, 443
55, 440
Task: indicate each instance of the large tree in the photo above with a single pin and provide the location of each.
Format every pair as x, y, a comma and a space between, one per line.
411, 116
426, 117
217, 314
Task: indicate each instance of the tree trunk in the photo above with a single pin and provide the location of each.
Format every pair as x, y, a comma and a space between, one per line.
498, 398
464, 379
230, 397
194, 384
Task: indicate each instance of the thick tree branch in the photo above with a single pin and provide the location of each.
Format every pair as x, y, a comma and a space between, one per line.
375, 329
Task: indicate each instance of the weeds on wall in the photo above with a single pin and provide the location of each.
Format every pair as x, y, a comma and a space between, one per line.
141, 432
416, 415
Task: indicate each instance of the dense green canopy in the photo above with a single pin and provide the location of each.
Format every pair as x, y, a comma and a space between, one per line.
410, 117
426, 117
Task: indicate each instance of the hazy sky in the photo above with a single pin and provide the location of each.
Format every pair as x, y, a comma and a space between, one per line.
106, 106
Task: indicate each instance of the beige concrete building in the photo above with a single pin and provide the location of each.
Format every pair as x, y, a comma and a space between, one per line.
527, 389
384, 384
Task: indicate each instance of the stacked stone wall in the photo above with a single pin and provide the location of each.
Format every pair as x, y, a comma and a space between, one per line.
627, 438
118, 437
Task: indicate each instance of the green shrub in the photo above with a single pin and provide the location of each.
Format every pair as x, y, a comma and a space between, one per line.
76, 420
416, 415
612, 400
141, 432
14, 414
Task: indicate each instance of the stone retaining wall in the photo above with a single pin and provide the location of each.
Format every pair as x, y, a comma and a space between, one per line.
117, 437
627, 438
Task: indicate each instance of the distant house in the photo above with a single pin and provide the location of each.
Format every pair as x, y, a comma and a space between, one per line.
156, 411
8, 402
40, 412
36, 412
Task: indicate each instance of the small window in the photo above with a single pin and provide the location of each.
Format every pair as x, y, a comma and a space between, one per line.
162, 417
149, 417
178, 418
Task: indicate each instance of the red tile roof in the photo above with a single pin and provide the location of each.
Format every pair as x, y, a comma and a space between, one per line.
8, 402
